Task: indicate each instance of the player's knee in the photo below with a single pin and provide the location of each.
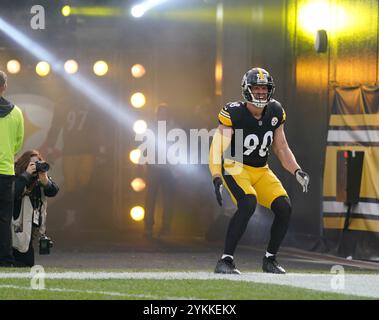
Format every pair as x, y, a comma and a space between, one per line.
282, 207
247, 204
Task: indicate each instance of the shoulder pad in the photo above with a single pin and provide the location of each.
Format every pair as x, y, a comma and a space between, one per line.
277, 111
275, 104
235, 104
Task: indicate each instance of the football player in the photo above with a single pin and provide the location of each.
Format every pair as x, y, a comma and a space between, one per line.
261, 120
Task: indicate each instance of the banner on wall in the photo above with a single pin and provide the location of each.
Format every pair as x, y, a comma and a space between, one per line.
351, 170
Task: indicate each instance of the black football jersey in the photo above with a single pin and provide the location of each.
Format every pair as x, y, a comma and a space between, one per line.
255, 135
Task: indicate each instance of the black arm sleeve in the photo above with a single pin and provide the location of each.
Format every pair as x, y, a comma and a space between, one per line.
51, 189
21, 182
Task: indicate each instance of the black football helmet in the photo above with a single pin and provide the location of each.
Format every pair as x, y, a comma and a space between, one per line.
257, 77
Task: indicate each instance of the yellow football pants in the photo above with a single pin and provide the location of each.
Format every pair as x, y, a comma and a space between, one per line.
261, 182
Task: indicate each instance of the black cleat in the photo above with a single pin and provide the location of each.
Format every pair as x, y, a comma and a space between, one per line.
270, 265
226, 266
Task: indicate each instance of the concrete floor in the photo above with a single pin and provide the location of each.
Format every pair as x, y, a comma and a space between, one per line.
135, 252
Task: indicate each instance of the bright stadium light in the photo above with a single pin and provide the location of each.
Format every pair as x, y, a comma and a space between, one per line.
42, 68
138, 71
101, 99
137, 11
71, 66
96, 11
97, 95
140, 126
138, 100
66, 11
100, 68
140, 9
13, 66
316, 15
138, 184
135, 155
137, 213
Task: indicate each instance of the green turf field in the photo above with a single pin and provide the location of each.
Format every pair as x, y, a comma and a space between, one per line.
170, 289
158, 289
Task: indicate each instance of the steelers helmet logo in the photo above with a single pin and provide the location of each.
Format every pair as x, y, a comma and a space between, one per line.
274, 121
262, 78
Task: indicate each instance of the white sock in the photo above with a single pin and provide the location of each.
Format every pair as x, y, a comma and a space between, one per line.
268, 254
227, 255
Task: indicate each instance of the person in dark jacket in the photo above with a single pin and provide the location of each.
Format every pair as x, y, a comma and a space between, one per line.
32, 187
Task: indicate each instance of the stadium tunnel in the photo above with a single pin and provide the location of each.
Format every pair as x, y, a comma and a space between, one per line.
323, 55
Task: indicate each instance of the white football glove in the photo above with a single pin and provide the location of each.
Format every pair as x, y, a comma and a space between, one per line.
303, 178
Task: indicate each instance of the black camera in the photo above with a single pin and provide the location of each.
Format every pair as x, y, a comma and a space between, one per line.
45, 243
42, 166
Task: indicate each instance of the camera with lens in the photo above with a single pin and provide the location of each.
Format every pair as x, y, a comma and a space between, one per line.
42, 166
45, 243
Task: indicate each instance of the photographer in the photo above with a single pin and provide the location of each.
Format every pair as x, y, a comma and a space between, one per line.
32, 187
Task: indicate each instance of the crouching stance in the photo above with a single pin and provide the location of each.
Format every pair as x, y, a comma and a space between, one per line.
260, 120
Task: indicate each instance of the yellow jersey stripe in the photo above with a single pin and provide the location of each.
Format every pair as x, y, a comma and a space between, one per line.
224, 120
225, 114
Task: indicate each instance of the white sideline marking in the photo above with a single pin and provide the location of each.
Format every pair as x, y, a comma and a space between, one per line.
106, 293
366, 285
